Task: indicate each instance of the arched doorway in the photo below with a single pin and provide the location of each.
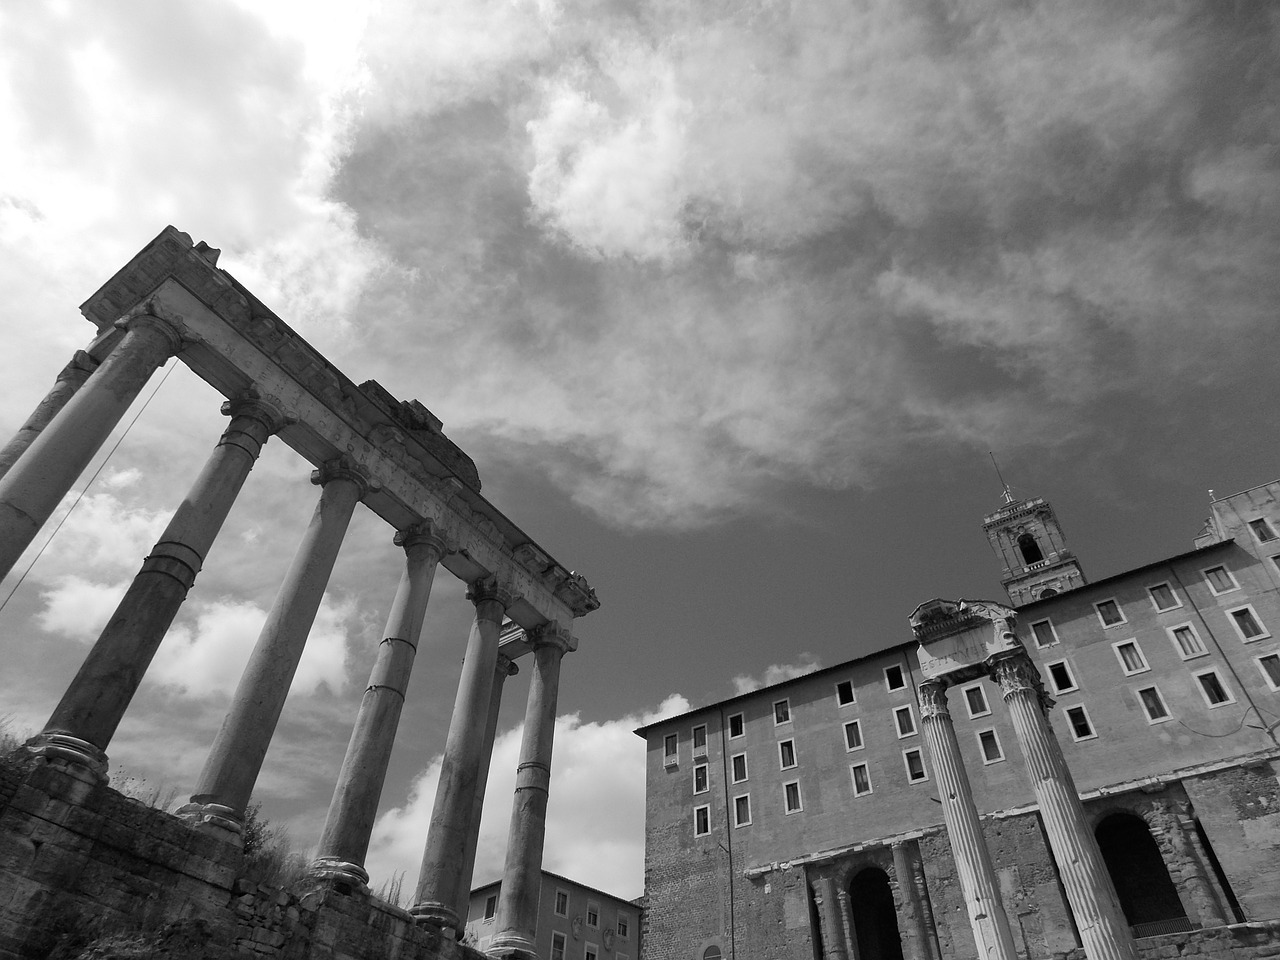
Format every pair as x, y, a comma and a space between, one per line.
875, 919
1147, 895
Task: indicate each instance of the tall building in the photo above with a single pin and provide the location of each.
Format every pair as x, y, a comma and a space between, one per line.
822, 817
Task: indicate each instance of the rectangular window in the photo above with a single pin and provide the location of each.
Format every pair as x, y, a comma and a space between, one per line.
557, 946
700, 740
787, 754
1262, 530
1247, 624
1220, 580
1153, 704
853, 735
590, 952
669, 747
1060, 677
624, 927
1081, 728
1130, 656
490, 906
914, 762
791, 797
742, 810
593, 913
782, 711
905, 721
844, 693
1044, 633
701, 821
1213, 689
975, 700
1163, 598
1109, 613
861, 779
1269, 664
1186, 641
893, 678
738, 767
562, 903
700, 778
736, 728
990, 743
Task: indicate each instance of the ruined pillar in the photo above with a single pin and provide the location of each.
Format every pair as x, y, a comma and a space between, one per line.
522, 872
1104, 933
36, 483
235, 759
927, 918
344, 842
460, 770
978, 883
87, 716
1171, 827
833, 938
845, 913
70, 380
906, 858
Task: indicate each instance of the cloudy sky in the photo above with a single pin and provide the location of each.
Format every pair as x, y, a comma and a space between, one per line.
728, 301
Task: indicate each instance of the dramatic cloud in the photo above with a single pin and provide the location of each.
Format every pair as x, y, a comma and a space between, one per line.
776, 673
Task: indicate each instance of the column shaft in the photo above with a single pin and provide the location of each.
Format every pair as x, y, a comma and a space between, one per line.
37, 482
235, 759
344, 842
70, 380
829, 917
846, 924
87, 716
927, 917
987, 916
460, 772
1104, 932
905, 859
522, 872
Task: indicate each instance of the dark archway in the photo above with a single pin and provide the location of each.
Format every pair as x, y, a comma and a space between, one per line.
1147, 895
875, 919
1031, 552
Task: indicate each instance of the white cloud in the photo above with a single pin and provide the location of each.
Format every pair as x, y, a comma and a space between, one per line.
776, 673
78, 608
595, 813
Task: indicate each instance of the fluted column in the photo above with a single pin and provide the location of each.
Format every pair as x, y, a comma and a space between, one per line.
1104, 932
70, 380
344, 842
41, 477
522, 872
460, 771
87, 716
826, 897
987, 916
235, 759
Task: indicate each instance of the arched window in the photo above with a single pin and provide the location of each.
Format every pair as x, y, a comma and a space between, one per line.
1030, 549
1147, 895
1048, 592
712, 953
875, 919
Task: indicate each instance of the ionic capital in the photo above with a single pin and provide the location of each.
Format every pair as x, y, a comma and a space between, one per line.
269, 415
343, 468
933, 698
426, 533
553, 634
504, 667
174, 331
491, 588
1017, 676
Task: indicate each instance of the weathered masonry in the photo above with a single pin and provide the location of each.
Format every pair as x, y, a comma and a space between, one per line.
366, 446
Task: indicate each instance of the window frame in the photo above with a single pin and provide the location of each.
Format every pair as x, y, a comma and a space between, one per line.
785, 702
705, 810
1171, 632
853, 694
558, 942
1053, 632
1164, 704
856, 723
982, 750
704, 769
733, 768
742, 725
737, 822
906, 763
1097, 609
782, 760
1266, 676
853, 779
1213, 671
670, 756
1151, 592
986, 701
902, 678
1071, 674
623, 920
492, 899
555, 903
590, 951
1266, 523
1235, 584
907, 711
1235, 624
787, 809
1071, 727
693, 739
593, 906
1146, 664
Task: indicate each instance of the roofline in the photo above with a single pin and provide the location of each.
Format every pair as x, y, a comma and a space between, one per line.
563, 879
1257, 486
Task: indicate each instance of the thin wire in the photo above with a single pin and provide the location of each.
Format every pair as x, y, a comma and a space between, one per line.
101, 466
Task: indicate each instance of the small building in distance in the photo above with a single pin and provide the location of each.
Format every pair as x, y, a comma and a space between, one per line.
575, 922
804, 820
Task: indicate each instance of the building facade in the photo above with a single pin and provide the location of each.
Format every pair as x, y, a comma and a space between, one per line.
811, 818
574, 921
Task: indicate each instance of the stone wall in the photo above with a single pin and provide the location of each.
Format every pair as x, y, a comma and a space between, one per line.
87, 872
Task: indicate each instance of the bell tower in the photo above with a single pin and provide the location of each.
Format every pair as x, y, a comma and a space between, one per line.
1028, 540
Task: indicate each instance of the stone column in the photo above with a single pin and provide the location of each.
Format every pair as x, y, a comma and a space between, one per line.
978, 883
235, 759
85, 720
845, 913
506, 667
37, 482
1170, 825
344, 842
905, 859
927, 918
1104, 933
824, 894
460, 770
522, 872
69, 381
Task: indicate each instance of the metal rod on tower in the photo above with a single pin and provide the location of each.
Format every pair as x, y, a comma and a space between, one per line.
1008, 497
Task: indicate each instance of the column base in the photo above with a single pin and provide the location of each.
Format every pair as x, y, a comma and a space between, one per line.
511, 945
216, 818
340, 872
79, 758
433, 913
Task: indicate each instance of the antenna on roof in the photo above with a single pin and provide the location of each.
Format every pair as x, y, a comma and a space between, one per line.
1008, 497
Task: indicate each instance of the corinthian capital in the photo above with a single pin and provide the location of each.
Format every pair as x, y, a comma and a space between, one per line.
933, 698
1017, 675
